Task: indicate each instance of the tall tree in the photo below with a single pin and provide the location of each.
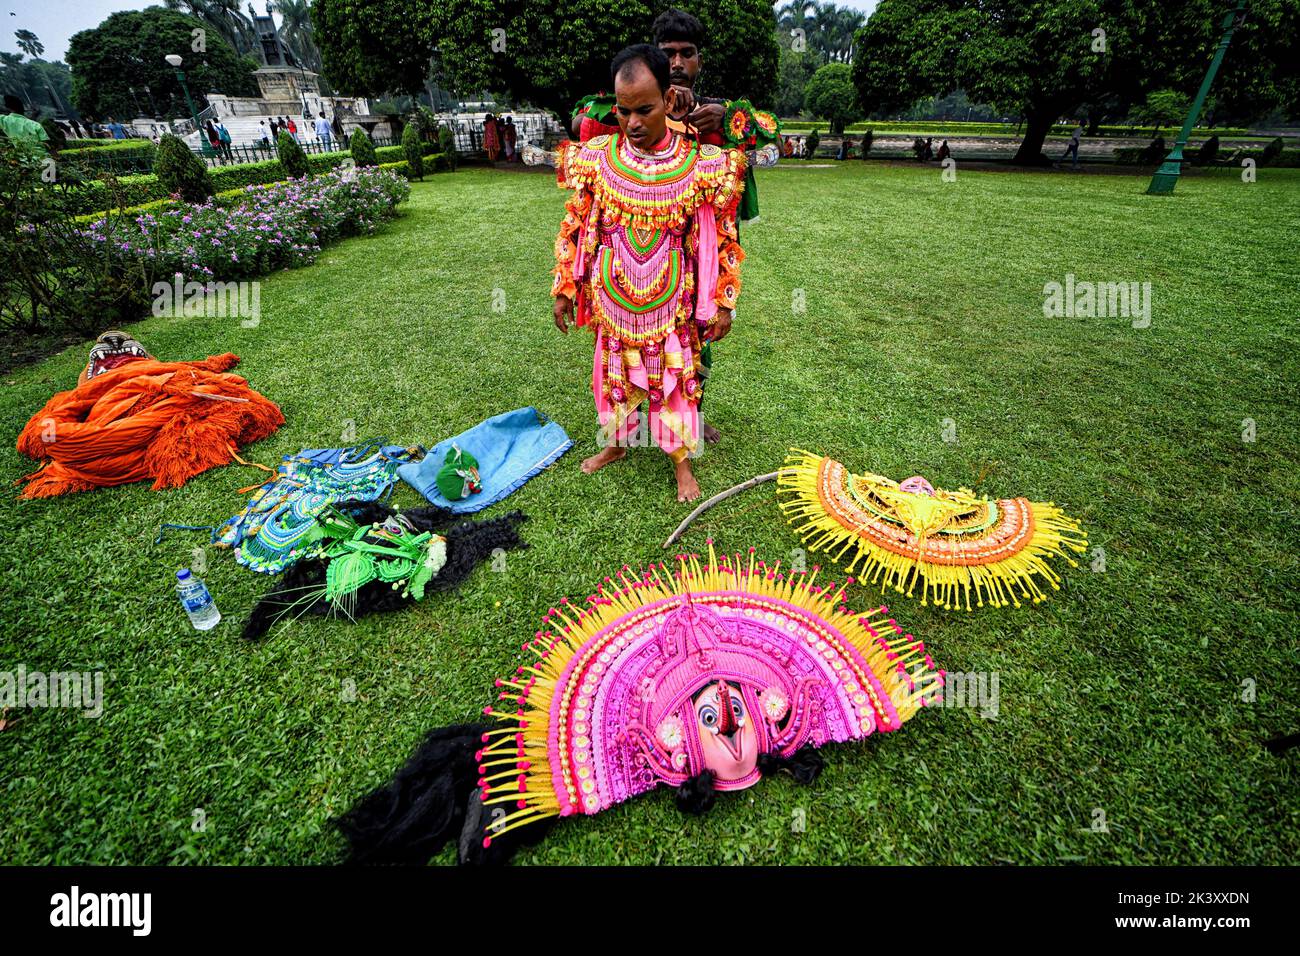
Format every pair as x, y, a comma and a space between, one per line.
224, 16
1042, 58
827, 30
14, 80
29, 43
830, 95
796, 69
127, 50
373, 46
296, 31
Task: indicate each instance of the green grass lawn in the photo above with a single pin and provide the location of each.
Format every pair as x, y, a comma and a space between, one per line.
1139, 696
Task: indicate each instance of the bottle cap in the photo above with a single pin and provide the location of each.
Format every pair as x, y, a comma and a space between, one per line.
183, 574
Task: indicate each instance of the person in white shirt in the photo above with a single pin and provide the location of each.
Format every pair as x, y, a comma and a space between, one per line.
1073, 148
323, 131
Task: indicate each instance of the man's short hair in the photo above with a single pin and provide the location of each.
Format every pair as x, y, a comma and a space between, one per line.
13, 104
655, 60
677, 26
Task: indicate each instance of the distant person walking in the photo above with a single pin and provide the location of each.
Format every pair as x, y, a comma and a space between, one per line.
491, 138
293, 128
1073, 148
223, 135
508, 138
944, 151
214, 138
323, 132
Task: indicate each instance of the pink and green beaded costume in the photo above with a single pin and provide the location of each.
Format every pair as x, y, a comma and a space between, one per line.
649, 252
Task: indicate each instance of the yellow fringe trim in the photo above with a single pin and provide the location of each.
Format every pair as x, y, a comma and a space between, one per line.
996, 584
900, 665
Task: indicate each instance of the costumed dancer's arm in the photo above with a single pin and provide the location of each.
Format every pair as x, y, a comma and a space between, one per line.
569, 266
730, 256
724, 259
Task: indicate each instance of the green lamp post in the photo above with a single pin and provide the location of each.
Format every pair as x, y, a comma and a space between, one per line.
1166, 177
174, 62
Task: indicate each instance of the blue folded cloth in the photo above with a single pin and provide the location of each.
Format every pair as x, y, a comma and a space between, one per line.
511, 448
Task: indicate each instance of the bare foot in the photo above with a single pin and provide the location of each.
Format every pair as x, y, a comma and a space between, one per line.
602, 458
711, 434
688, 489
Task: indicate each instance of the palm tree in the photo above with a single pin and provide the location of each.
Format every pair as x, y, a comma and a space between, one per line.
224, 16
29, 43
296, 30
794, 16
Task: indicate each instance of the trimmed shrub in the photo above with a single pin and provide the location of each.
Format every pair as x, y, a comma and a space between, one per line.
447, 144
414, 150
1208, 152
362, 148
814, 139
292, 159
181, 172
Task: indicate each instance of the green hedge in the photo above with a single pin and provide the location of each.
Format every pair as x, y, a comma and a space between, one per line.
1132, 156
246, 174
433, 162
122, 156
975, 128
76, 143
221, 199
324, 162
94, 196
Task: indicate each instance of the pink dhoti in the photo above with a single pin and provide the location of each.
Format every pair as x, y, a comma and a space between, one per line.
623, 378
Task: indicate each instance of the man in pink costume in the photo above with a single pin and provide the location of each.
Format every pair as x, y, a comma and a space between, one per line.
648, 254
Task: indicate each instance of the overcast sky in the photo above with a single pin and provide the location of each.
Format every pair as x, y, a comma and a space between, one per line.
55, 21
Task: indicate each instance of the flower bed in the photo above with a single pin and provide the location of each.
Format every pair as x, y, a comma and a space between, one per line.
281, 225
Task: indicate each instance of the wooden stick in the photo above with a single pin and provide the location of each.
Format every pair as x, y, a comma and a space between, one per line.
721, 496
220, 398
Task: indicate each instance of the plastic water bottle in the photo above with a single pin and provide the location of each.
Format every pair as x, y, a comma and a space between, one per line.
197, 601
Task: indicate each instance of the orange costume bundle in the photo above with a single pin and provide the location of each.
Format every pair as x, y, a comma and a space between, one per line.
168, 421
